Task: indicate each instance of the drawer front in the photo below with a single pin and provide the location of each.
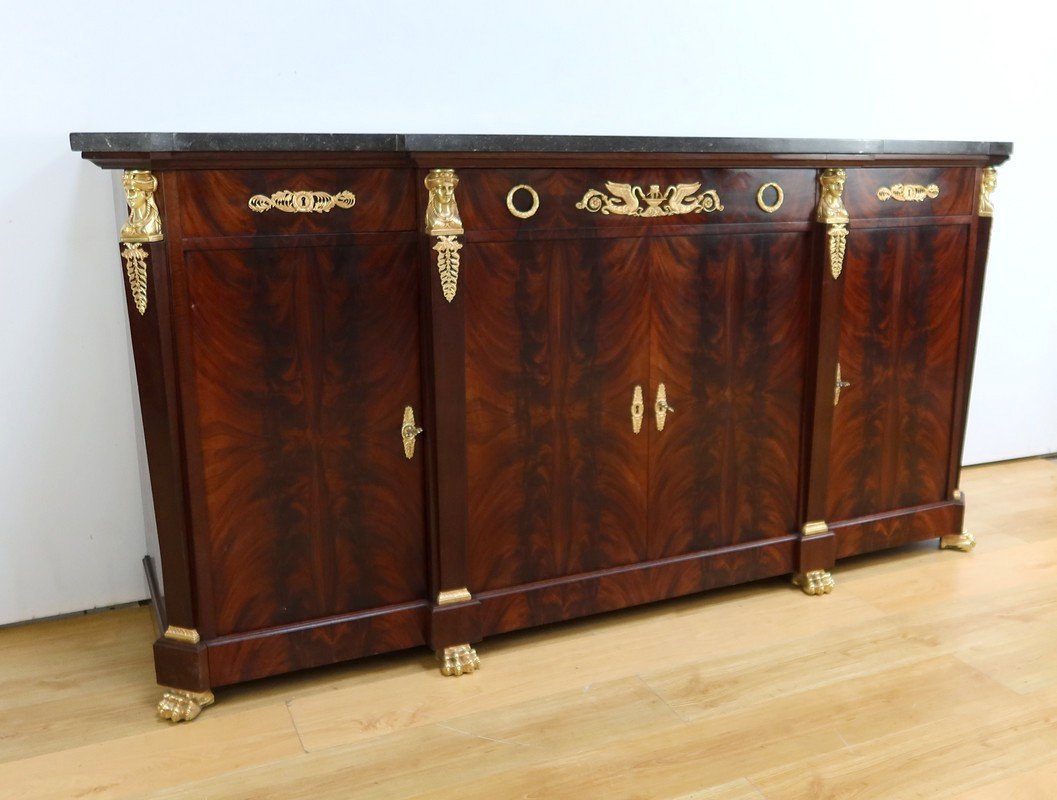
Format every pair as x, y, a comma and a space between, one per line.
909, 192
296, 201
611, 198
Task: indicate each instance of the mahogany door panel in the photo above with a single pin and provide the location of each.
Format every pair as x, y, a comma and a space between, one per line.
301, 375
898, 349
556, 341
729, 336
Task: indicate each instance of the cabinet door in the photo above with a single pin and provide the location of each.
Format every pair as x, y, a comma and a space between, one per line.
302, 360
556, 340
898, 349
728, 339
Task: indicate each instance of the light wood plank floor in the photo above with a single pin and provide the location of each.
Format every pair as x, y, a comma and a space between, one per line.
926, 674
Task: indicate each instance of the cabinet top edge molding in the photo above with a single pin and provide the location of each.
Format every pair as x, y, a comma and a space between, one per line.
513, 143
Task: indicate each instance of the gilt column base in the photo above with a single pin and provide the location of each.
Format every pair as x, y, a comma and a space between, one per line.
458, 660
179, 705
815, 582
963, 541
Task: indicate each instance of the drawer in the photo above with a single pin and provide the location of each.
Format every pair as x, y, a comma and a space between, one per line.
909, 192
612, 198
296, 201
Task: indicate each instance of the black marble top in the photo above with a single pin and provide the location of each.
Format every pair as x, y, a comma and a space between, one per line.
490, 143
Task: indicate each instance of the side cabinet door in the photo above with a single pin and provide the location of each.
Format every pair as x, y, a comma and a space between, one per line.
556, 341
302, 360
898, 350
729, 328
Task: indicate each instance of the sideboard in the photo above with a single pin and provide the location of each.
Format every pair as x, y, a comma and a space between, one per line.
407, 390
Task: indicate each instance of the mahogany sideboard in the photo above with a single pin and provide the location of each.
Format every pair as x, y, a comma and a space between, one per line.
406, 390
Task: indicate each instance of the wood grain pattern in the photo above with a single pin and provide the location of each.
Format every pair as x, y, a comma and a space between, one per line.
557, 338
825, 302
155, 381
482, 196
729, 332
610, 589
899, 346
957, 192
895, 528
301, 378
445, 448
182, 665
979, 242
258, 654
214, 202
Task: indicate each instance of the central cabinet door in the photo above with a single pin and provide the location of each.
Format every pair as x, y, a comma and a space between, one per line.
557, 338
560, 334
728, 337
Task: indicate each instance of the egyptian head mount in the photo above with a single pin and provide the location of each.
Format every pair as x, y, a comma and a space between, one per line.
988, 182
442, 212
144, 220
831, 208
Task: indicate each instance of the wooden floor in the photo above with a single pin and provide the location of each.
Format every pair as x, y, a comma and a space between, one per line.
926, 674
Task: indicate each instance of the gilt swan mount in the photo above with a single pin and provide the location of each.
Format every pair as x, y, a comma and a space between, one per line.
631, 201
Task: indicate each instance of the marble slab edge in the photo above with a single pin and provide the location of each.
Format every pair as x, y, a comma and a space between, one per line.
511, 143
236, 142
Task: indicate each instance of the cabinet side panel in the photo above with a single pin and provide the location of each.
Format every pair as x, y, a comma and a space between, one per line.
304, 359
556, 340
899, 350
155, 380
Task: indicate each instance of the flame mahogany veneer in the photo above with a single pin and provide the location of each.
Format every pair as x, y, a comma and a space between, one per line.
278, 351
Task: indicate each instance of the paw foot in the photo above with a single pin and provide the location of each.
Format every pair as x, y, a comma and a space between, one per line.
963, 541
815, 582
459, 660
183, 706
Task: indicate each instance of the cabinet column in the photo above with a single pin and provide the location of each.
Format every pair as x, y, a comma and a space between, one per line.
974, 289
455, 621
180, 655
817, 551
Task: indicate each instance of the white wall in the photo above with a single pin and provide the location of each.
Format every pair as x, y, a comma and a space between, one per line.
72, 516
